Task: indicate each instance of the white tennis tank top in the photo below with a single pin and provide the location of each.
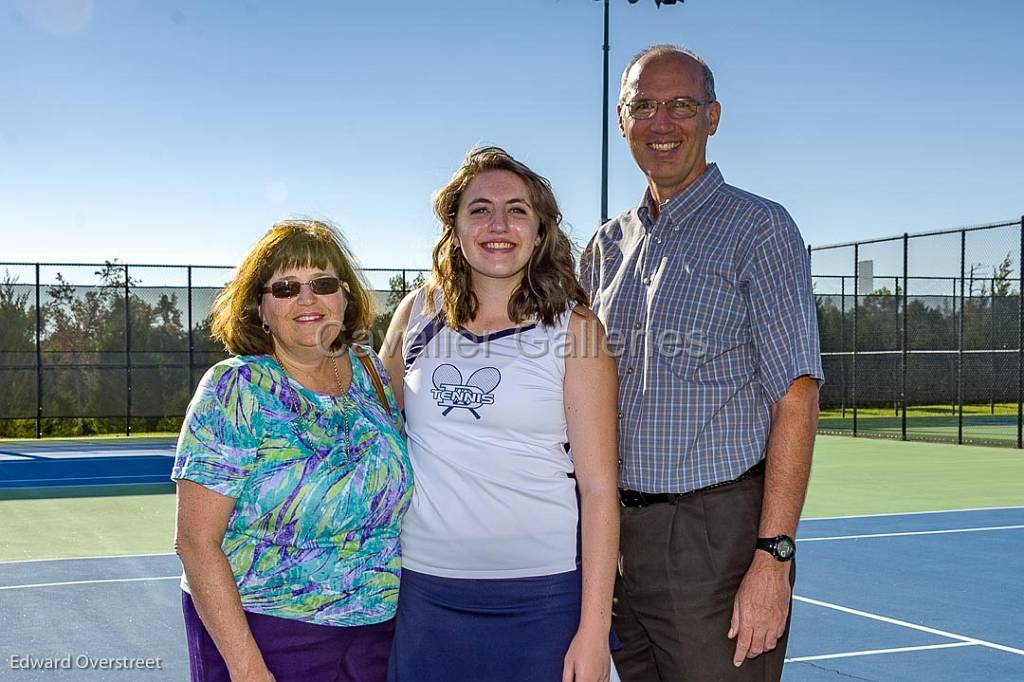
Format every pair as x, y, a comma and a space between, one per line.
494, 495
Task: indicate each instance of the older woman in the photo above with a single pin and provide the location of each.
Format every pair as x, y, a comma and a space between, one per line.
503, 366
292, 476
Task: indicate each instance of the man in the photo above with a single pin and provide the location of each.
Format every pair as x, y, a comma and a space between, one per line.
705, 292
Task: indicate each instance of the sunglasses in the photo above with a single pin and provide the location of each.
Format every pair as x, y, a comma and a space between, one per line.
290, 288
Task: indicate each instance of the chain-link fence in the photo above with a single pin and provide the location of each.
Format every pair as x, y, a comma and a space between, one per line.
922, 336
114, 348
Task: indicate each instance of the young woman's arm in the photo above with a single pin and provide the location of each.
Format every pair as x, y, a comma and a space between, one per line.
591, 406
391, 350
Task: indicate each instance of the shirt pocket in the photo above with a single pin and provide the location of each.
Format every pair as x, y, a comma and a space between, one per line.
701, 328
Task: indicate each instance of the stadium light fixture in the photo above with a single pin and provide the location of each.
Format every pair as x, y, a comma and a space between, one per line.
604, 106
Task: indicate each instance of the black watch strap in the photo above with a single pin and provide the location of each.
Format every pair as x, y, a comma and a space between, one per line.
781, 547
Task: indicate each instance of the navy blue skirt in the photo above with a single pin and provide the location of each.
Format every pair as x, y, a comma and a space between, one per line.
455, 629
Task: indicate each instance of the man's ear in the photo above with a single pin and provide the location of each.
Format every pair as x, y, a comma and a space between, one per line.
714, 116
622, 123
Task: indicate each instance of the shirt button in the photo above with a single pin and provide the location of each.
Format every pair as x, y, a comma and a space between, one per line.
629, 370
637, 325
657, 240
675, 229
647, 281
620, 415
620, 461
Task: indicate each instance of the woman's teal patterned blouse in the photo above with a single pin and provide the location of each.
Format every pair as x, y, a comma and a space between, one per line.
321, 484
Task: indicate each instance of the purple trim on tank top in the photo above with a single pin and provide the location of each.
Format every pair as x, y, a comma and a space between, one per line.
423, 338
494, 336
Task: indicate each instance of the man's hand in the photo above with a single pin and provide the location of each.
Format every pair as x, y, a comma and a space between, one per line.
761, 607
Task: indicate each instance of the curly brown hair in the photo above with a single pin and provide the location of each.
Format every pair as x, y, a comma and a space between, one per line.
549, 281
235, 317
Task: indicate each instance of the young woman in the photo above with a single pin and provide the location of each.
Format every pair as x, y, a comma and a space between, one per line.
509, 547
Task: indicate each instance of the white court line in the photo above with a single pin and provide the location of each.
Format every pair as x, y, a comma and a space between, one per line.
909, 513
912, 626
848, 654
91, 582
911, 532
81, 558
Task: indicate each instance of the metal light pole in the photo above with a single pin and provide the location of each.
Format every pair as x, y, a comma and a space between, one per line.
604, 107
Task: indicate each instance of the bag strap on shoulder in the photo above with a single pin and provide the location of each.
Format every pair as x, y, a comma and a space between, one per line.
371, 368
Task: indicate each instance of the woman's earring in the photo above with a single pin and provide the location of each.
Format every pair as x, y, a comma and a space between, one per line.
266, 327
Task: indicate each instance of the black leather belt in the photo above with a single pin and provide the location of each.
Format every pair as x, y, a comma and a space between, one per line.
635, 498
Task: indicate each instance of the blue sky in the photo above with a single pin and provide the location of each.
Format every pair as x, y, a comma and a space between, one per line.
177, 132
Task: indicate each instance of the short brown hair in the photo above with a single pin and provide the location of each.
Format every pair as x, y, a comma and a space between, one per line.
549, 281
235, 317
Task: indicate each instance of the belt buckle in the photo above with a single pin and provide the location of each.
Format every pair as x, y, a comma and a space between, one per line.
631, 498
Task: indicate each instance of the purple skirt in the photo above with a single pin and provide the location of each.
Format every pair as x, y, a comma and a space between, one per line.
294, 650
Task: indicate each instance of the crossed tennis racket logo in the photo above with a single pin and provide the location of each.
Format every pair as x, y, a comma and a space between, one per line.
451, 392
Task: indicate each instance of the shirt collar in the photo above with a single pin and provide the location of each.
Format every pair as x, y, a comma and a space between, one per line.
692, 196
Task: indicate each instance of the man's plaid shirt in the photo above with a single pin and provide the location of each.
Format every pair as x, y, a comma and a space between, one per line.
710, 313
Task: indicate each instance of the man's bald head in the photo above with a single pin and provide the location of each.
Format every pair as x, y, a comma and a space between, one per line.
629, 74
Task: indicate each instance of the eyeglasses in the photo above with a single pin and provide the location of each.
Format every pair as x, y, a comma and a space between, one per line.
678, 108
290, 288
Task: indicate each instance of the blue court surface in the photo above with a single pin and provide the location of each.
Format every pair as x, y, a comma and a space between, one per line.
49, 464
921, 596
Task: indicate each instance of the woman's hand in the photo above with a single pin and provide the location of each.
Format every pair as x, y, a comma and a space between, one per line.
588, 658
254, 670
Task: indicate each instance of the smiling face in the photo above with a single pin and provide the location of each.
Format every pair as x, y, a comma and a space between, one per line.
671, 152
301, 323
496, 225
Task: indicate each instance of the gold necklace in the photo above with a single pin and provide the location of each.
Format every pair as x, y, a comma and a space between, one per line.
337, 376
345, 428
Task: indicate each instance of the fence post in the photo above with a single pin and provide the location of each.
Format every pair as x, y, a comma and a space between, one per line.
952, 402
992, 348
896, 401
960, 346
856, 303
191, 336
1020, 337
39, 358
127, 356
903, 342
842, 345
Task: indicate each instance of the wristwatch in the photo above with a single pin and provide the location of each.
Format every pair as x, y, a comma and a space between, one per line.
781, 547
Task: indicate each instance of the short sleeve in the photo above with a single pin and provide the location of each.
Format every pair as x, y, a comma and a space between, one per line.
784, 321
217, 445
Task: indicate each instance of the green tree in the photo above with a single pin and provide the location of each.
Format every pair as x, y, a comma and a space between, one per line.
399, 286
17, 360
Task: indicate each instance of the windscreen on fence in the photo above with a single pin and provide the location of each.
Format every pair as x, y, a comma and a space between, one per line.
921, 336
113, 348
921, 339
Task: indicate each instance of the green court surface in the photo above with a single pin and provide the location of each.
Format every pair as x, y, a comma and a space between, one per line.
850, 476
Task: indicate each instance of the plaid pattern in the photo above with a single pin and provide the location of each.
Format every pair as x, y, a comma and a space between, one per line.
710, 313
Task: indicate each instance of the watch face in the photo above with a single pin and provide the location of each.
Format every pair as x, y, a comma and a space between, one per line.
784, 548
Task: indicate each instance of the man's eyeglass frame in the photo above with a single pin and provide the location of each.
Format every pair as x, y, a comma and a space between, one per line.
687, 110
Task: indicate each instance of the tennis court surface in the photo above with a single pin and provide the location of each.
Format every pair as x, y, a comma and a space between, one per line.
883, 592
